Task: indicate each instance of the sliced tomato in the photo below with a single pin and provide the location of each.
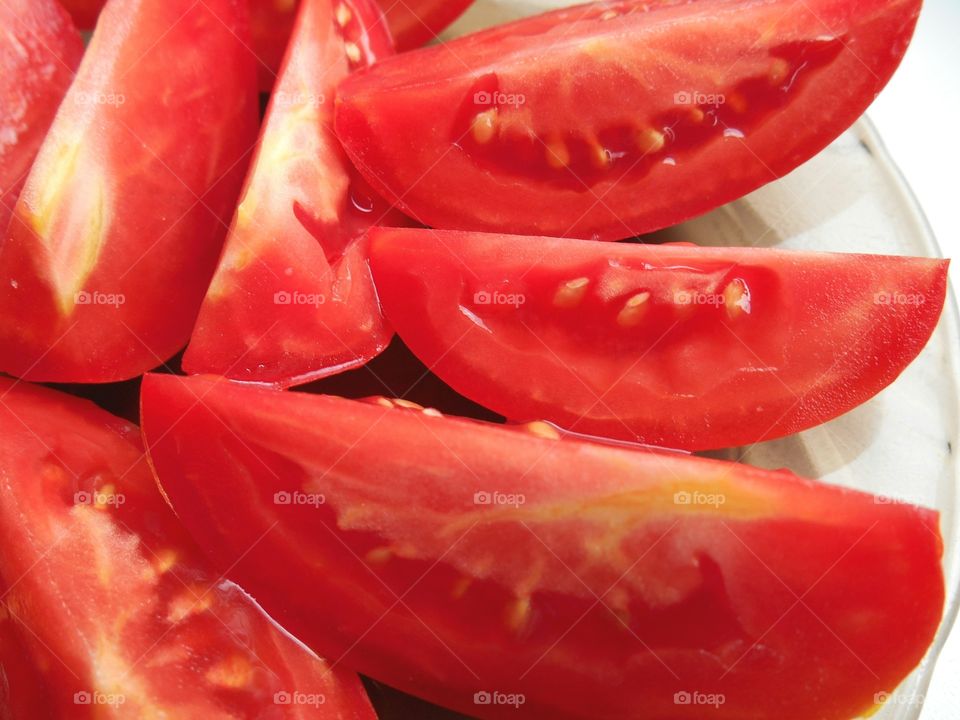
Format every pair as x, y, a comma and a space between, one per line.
617, 118
84, 12
39, 52
415, 22
678, 346
117, 609
120, 223
466, 562
293, 297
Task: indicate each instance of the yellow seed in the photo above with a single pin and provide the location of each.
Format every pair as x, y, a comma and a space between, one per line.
385, 402
407, 404
697, 115
779, 70
542, 429
518, 613
558, 156
737, 102
353, 52
609, 15
484, 126
166, 559
432, 412
343, 15
650, 141
599, 155
570, 293
633, 310
189, 603
234, 672
380, 555
736, 297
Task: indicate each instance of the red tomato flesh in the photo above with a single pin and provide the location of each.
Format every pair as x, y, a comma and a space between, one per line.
115, 606
293, 298
617, 118
120, 223
679, 346
416, 22
452, 558
39, 52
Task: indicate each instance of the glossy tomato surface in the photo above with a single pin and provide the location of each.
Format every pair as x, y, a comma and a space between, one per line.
120, 223
416, 22
84, 12
293, 297
617, 118
39, 52
679, 346
506, 572
113, 606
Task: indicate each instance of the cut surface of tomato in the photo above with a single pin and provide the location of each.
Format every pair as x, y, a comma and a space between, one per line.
577, 580
678, 346
293, 298
116, 608
39, 52
613, 119
118, 229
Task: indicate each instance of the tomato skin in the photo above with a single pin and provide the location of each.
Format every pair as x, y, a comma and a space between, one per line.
118, 229
293, 298
39, 53
604, 127
615, 340
417, 22
111, 596
424, 585
84, 12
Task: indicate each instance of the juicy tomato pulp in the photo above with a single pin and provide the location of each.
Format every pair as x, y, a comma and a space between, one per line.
456, 559
118, 229
293, 297
112, 605
617, 118
684, 347
39, 52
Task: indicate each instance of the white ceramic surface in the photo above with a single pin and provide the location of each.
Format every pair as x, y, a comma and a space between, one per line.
903, 444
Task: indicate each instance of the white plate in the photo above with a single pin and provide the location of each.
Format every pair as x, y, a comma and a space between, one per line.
902, 444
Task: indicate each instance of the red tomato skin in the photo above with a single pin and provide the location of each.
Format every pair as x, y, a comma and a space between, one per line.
84, 12
111, 596
416, 23
118, 229
293, 299
429, 589
613, 340
554, 126
39, 52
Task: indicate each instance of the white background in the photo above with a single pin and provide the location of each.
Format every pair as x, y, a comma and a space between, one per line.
918, 116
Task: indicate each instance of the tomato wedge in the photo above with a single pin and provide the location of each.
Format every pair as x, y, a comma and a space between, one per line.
118, 229
84, 12
678, 346
39, 52
617, 118
113, 602
293, 297
485, 568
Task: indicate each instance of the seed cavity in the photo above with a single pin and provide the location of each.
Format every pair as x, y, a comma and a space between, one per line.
571, 293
